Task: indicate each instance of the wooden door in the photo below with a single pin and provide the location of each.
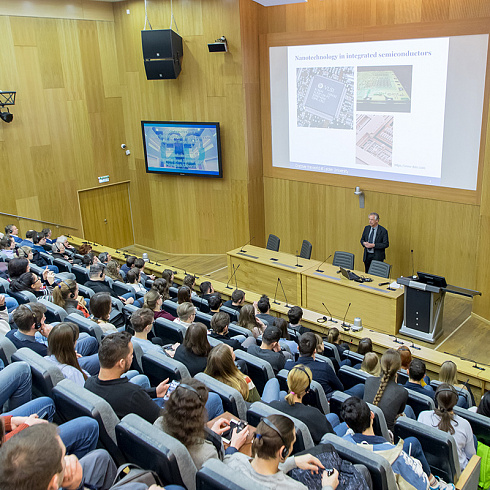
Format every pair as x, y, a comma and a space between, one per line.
106, 215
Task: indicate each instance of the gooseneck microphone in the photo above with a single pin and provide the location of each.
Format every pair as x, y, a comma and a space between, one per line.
297, 260
346, 326
319, 270
413, 268
231, 277
284, 292
275, 294
328, 311
250, 241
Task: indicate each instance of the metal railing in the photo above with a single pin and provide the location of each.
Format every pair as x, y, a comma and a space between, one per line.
57, 225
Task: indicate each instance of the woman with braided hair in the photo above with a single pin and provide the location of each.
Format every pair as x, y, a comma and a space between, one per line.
384, 392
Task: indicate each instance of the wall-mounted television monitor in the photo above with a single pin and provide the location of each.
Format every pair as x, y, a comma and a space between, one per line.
182, 148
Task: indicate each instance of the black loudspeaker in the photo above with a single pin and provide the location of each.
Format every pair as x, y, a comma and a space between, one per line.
162, 52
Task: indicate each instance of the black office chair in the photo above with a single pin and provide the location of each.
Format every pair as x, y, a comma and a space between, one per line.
343, 259
305, 250
381, 269
273, 243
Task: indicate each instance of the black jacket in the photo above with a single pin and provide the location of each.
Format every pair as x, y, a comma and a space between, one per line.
380, 242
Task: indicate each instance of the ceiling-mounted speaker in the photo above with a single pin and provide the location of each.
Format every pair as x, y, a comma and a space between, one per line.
162, 53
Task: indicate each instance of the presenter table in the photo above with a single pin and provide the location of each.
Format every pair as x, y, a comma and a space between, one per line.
260, 268
378, 307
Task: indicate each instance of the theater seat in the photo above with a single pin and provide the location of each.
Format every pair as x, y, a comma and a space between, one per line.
343, 259
479, 423
149, 447
440, 448
379, 468
170, 332
86, 292
170, 307
203, 318
234, 329
351, 377
419, 402
63, 265
331, 351
200, 303
354, 357
127, 311
273, 243
7, 348
259, 370
54, 313
330, 362
23, 297
86, 325
45, 375
81, 273
233, 401
215, 475
4, 286
73, 401
158, 366
259, 410
120, 288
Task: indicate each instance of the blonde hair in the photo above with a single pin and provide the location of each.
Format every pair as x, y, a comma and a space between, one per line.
320, 348
24, 251
448, 373
298, 382
390, 364
370, 364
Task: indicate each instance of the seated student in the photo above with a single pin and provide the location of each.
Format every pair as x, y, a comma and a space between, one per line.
448, 373
184, 417
190, 282
207, 290
13, 231
142, 322
221, 366
28, 239
168, 275
370, 364
270, 350
133, 280
219, 330
299, 380
97, 283
215, 303
15, 385
272, 444
33, 283
84, 248
59, 252
125, 268
154, 301
248, 320
47, 233
4, 318
334, 338
193, 352
295, 314
104, 257
321, 371
384, 392
112, 271
416, 373
65, 295
484, 406
444, 418
161, 285
285, 338
7, 246
186, 314
184, 295
404, 458
237, 300
115, 356
36, 459
88, 260
365, 345
101, 307
140, 265
264, 307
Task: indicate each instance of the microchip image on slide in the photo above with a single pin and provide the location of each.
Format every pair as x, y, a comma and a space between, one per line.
325, 97
374, 140
384, 88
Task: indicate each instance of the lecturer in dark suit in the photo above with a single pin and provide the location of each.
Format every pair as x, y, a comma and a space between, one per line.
374, 240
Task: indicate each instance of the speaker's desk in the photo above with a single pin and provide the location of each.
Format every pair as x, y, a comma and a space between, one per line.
378, 307
260, 268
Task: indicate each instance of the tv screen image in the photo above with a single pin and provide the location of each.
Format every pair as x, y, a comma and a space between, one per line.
183, 148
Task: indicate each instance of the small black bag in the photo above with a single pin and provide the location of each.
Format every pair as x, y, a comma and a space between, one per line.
136, 474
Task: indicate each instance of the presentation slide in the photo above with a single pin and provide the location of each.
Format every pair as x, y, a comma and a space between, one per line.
403, 110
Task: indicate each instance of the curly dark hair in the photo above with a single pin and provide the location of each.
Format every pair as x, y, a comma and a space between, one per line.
184, 413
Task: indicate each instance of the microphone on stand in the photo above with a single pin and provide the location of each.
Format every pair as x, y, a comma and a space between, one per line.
328, 311
284, 292
297, 260
413, 268
389, 287
319, 270
231, 277
241, 249
346, 326
275, 294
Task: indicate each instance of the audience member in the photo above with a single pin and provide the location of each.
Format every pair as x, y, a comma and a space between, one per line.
186, 313
416, 373
334, 338
264, 307
47, 233
105, 258
154, 301
133, 280
207, 290
219, 327
32, 282
190, 282
4, 318
85, 248
184, 418
28, 241
248, 320
193, 352
140, 265
407, 459
285, 340
184, 295
13, 231
484, 406
270, 350
237, 300
97, 283
370, 364
59, 252
272, 444
88, 260
161, 285
406, 358
321, 371
384, 392
65, 295
125, 268
215, 303
112, 270
168, 275
295, 314
448, 373
299, 380
101, 307
142, 323
365, 346
69, 249
7, 246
